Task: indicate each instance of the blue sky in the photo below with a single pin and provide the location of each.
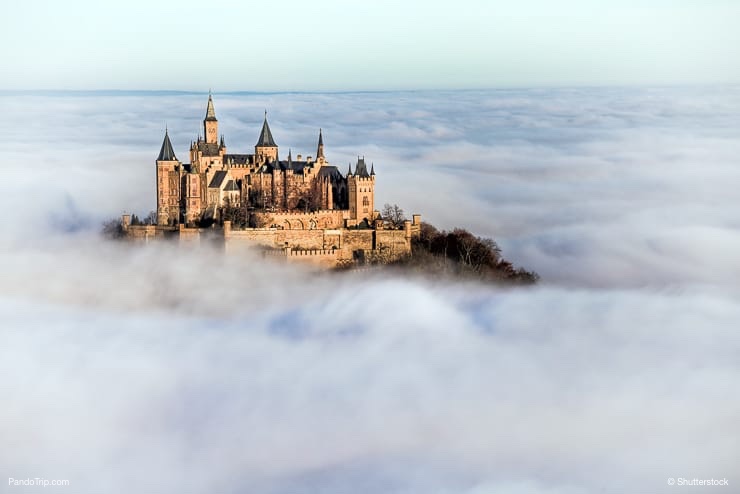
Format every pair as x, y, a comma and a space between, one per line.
334, 44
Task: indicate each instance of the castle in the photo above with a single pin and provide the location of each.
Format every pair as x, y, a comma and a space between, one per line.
300, 209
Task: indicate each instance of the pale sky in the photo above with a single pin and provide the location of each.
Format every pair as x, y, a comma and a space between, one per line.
380, 44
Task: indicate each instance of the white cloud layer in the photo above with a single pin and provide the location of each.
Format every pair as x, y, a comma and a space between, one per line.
168, 370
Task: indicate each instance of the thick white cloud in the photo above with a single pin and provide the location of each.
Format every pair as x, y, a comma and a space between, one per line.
162, 369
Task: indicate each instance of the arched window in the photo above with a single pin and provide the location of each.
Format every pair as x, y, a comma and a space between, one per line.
365, 201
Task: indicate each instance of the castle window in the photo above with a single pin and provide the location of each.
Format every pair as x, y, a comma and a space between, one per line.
365, 201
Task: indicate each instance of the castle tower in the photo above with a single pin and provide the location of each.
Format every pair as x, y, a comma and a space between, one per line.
210, 124
168, 184
266, 148
361, 188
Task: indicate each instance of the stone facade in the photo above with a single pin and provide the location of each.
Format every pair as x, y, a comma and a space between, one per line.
302, 210
195, 193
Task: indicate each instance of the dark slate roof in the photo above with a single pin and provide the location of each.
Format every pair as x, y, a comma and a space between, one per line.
166, 153
231, 186
332, 172
218, 179
265, 135
361, 168
238, 159
296, 166
267, 168
210, 112
208, 148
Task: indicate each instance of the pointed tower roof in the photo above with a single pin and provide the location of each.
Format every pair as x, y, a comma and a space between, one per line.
265, 135
372, 169
320, 149
210, 112
361, 168
166, 153
349, 172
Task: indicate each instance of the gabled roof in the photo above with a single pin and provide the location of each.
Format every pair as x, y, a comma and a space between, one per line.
218, 179
265, 135
210, 112
230, 185
166, 153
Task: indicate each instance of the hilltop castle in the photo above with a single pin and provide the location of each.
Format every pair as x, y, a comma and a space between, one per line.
302, 208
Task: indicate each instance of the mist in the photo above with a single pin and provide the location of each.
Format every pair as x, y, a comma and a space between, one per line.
167, 369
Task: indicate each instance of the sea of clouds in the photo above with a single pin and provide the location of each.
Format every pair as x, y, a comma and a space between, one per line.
166, 369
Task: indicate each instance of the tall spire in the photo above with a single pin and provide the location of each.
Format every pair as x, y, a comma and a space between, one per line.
372, 169
349, 172
166, 153
320, 150
265, 138
210, 112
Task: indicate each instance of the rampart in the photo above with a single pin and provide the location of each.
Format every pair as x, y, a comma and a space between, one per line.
291, 220
324, 247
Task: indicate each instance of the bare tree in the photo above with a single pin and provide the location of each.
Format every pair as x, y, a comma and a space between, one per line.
393, 215
151, 218
113, 229
236, 212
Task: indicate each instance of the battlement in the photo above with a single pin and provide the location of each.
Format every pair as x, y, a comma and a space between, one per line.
321, 258
310, 252
294, 214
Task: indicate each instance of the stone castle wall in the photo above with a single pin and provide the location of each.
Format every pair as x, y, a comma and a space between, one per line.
293, 220
325, 247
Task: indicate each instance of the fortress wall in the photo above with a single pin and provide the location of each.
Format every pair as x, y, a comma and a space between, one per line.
301, 239
274, 238
353, 240
237, 240
145, 233
319, 258
189, 236
395, 240
323, 247
293, 220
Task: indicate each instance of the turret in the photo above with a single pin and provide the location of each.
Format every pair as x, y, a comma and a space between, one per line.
266, 148
320, 148
210, 124
168, 183
361, 191
166, 152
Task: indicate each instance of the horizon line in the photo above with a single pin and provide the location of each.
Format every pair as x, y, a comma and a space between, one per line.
184, 92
